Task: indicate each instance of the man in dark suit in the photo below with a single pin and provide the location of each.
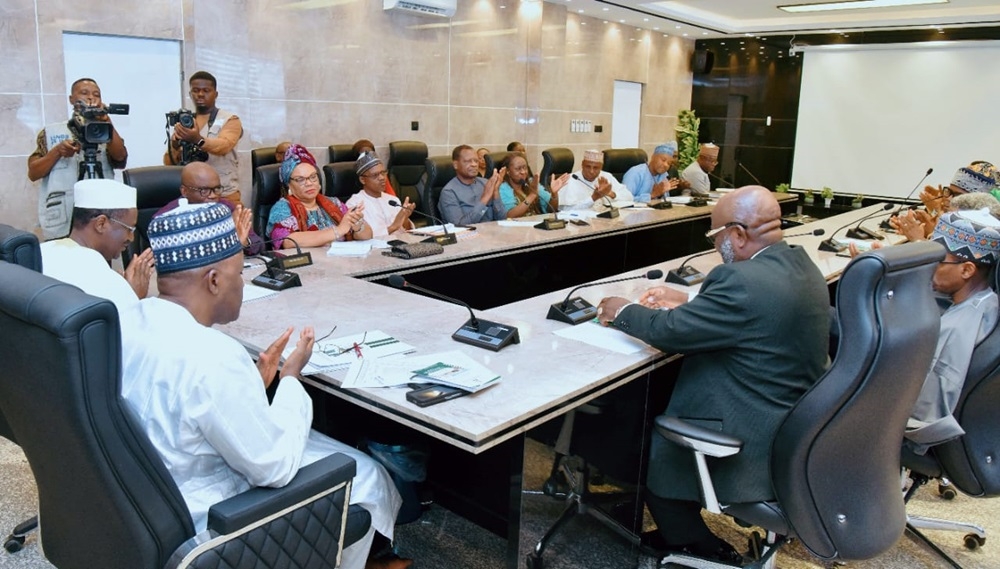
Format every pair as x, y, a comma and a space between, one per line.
754, 340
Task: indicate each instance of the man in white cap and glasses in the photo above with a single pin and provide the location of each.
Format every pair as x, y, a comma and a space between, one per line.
652, 181
696, 174
103, 225
201, 396
972, 240
592, 186
383, 217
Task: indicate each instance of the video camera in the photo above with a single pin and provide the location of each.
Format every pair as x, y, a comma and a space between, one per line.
87, 125
189, 152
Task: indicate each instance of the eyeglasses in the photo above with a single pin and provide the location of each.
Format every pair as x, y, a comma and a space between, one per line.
711, 234
300, 180
379, 174
206, 192
334, 351
131, 228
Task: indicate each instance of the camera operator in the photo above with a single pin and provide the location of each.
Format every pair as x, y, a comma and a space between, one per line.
215, 131
56, 162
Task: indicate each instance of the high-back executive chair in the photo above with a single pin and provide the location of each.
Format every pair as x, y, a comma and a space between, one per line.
970, 461
406, 167
342, 153
440, 171
493, 161
266, 192
105, 497
19, 248
155, 187
557, 161
341, 180
617, 161
835, 458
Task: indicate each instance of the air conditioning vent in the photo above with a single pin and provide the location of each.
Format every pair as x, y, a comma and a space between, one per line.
441, 8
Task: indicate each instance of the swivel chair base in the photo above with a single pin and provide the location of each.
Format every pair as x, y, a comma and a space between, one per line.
15, 541
974, 539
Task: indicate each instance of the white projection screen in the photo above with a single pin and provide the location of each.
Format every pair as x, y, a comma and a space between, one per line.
872, 119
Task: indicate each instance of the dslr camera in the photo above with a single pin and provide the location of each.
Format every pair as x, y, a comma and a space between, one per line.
189, 152
87, 124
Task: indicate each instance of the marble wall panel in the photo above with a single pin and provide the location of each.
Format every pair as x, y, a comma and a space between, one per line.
19, 197
670, 58
19, 46
137, 18
20, 117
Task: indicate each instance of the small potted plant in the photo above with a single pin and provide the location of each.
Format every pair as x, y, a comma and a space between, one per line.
827, 195
782, 188
808, 198
858, 201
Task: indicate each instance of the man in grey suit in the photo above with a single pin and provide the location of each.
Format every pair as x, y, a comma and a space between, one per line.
754, 340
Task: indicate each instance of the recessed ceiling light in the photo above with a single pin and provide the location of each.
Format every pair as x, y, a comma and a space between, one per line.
685, 35
704, 33
606, 9
583, 23
580, 11
621, 21
677, 27
656, 28
855, 5
722, 43
645, 19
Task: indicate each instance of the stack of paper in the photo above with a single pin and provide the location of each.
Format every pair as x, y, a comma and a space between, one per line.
253, 292
349, 249
448, 368
437, 230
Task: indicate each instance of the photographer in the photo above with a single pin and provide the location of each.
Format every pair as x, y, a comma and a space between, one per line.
215, 133
56, 161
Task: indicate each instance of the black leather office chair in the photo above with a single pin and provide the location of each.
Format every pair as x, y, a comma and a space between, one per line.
494, 160
341, 180
617, 161
262, 157
342, 153
440, 171
156, 186
556, 161
19, 248
835, 458
406, 166
105, 497
968, 462
266, 192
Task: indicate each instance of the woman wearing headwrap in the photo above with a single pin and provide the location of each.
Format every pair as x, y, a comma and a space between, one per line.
522, 194
305, 215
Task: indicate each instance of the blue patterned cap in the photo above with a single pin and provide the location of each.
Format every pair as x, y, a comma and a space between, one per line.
668, 148
973, 235
192, 236
976, 177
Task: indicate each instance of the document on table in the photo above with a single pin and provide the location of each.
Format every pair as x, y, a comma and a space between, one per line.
606, 337
339, 353
349, 249
579, 214
448, 368
516, 223
253, 292
438, 230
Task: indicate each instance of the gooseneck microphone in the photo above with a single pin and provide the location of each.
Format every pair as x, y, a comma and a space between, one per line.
885, 224
814, 232
577, 310
747, 170
446, 239
549, 223
687, 275
475, 332
833, 246
723, 180
612, 211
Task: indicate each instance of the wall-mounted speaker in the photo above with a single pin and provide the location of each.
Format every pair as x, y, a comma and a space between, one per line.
702, 61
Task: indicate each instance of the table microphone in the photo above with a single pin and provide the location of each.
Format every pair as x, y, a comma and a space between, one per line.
548, 223
446, 239
285, 261
745, 169
687, 275
832, 246
814, 232
480, 333
612, 211
885, 224
577, 310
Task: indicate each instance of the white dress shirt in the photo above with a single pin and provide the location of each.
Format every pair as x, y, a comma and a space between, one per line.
86, 269
378, 213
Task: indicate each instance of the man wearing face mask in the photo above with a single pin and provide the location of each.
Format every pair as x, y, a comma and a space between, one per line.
216, 132
754, 340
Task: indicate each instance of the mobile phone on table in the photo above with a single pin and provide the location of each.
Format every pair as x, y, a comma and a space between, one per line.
433, 395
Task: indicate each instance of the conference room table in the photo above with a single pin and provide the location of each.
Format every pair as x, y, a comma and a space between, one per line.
478, 440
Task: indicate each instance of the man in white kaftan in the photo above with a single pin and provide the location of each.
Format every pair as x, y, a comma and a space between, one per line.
200, 394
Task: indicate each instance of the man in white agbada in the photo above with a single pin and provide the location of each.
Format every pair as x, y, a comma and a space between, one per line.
203, 399
384, 218
103, 224
590, 186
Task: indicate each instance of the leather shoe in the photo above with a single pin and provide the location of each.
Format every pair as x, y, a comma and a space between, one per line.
389, 562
